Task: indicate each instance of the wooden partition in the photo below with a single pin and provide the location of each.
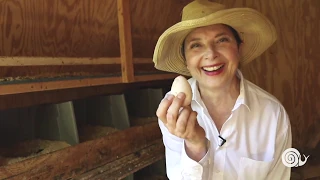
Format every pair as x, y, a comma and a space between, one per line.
52, 45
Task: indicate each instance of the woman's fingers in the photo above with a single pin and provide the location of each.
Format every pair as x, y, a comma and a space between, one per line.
192, 121
176, 105
182, 122
163, 108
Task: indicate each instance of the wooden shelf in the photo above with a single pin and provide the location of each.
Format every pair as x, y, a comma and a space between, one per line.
76, 83
122, 167
54, 61
145, 146
126, 60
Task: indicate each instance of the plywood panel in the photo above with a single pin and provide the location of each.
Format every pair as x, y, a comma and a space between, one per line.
149, 20
59, 28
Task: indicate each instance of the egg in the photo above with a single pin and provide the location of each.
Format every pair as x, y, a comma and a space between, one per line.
181, 84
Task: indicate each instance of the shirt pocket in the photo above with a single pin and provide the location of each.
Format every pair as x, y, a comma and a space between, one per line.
250, 169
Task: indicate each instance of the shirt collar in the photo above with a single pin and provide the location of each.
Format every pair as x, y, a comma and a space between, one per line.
242, 98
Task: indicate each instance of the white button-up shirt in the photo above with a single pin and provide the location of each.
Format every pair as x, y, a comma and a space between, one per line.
257, 133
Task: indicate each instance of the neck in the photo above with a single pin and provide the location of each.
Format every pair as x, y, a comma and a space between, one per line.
221, 98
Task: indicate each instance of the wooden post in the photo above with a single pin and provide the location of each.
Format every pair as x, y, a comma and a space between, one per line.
125, 40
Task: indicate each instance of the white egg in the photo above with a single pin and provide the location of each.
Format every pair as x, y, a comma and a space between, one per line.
181, 84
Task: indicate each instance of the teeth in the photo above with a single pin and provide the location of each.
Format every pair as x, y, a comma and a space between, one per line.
213, 68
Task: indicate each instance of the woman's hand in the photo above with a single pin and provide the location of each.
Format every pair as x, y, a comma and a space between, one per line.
183, 124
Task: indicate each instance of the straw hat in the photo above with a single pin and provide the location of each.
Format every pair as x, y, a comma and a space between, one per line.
255, 30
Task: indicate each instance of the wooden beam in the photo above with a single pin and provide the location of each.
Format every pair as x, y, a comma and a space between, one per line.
124, 22
153, 77
75, 160
122, 167
54, 85
63, 95
41, 61
67, 84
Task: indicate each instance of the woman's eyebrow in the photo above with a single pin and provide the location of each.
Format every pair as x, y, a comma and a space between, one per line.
220, 34
193, 39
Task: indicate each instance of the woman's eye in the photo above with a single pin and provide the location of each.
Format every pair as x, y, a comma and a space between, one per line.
223, 40
195, 45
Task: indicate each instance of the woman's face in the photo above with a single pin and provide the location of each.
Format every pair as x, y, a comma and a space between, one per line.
212, 55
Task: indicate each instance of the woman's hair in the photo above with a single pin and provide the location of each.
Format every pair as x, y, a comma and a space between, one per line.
234, 32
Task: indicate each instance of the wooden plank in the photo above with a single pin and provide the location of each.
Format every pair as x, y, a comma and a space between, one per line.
73, 161
153, 77
41, 61
125, 40
67, 84
54, 85
63, 95
122, 167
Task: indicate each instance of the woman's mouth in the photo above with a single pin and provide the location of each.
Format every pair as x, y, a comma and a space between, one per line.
213, 70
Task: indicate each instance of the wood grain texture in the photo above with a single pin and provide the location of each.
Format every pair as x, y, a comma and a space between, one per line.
149, 20
41, 61
122, 167
83, 157
124, 21
62, 95
38, 86
76, 28
57, 84
9, 73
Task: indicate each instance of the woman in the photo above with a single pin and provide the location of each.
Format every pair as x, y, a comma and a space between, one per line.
232, 129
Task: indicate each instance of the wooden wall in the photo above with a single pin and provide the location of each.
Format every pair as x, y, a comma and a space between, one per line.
79, 28
71, 28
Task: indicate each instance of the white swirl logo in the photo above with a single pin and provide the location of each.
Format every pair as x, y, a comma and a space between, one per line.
291, 158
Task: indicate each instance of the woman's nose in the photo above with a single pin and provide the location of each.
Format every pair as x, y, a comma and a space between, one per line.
210, 53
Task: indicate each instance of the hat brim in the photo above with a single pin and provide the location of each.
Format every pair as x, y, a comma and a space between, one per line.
255, 30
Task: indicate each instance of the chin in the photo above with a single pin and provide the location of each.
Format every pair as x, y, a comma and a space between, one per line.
212, 83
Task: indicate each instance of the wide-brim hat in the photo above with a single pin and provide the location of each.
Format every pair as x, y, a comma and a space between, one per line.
254, 29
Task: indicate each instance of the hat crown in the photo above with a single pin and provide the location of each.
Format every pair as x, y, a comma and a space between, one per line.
200, 8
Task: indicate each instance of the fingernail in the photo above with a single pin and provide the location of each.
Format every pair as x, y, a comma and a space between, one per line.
170, 97
180, 95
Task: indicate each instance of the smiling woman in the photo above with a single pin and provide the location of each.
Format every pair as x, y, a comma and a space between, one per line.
233, 129
212, 56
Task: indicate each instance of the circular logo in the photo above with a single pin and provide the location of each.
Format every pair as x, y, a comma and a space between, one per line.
290, 157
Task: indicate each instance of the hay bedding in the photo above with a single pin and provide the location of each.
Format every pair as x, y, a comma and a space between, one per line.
89, 132
29, 149
32, 148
